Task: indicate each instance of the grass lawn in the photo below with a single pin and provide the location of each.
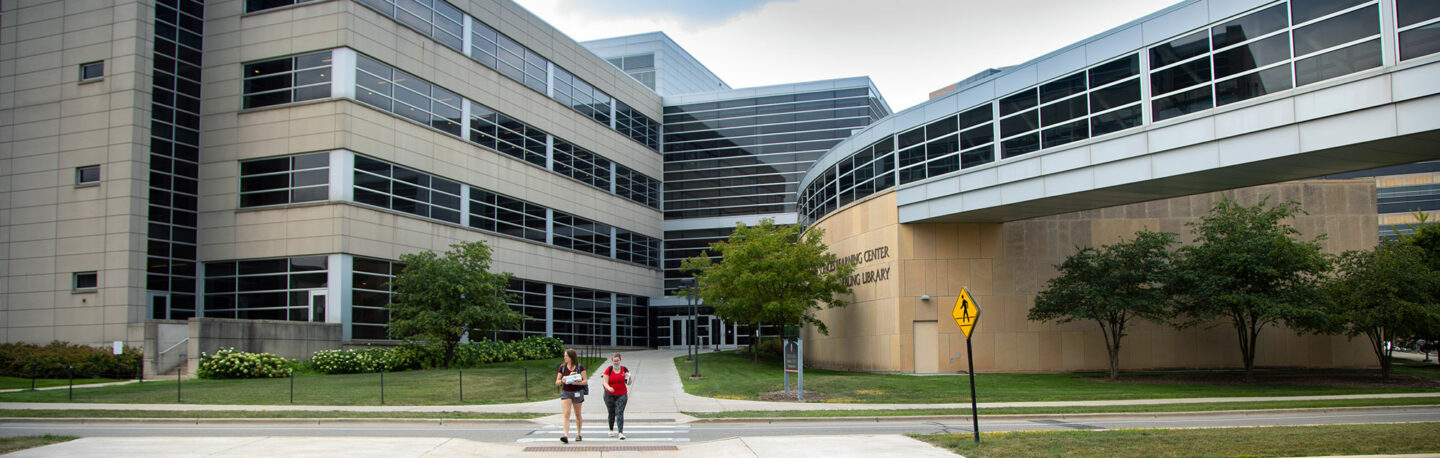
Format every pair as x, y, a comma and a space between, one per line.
39, 413
732, 376
1197, 407
10, 383
1372, 439
10, 444
493, 384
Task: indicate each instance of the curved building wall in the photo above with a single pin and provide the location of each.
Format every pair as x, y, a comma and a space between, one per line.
888, 327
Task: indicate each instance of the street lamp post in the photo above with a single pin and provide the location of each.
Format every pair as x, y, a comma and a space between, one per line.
695, 323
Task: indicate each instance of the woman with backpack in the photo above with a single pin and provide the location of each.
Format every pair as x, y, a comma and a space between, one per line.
572, 380
617, 379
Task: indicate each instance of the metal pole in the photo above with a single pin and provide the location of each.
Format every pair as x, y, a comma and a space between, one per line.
527, 383
178, 373
292, 386
32, 383
462, 385
799, 368
974, 411
382, 386
695, 324
70, 371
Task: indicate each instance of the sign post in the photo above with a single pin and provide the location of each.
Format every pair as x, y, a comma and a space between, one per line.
967, 314
795, 362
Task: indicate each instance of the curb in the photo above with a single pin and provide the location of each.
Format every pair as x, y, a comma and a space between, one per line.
1071, 416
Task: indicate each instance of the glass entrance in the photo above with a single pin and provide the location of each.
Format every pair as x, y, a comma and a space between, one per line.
317, 305
159, 304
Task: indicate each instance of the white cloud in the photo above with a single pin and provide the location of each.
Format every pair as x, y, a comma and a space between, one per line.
909, 47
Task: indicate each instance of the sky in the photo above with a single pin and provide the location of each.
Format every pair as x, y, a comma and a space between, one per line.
908, 47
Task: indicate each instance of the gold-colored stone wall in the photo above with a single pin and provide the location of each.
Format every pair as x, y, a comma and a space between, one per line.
1005, 265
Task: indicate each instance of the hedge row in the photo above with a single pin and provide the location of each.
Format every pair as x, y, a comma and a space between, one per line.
230, 363
50, 361
414, 356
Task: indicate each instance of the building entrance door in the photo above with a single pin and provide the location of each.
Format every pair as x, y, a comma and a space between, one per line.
679, 331
317, 305
159, 304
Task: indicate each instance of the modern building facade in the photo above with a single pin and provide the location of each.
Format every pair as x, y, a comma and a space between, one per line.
271, 160
1142, 126
268, 162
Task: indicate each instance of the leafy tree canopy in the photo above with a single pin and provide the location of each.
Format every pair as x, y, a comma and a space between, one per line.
1113, 286
1248, 266
1383, 294
771, 274
440, 298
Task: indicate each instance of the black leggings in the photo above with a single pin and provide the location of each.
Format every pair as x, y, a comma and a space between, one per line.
615, 405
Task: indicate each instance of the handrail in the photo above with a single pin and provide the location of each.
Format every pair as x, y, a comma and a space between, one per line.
172, 347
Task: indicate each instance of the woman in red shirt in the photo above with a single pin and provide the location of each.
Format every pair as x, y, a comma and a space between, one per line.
617, 378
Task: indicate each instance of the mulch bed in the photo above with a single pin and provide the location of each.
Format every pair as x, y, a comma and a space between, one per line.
790, 396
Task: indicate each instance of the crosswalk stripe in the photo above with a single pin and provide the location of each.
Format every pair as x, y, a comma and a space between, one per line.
605, 439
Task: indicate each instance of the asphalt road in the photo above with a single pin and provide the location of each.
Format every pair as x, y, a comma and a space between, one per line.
528, 432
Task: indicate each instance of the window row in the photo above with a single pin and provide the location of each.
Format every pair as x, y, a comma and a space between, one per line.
1275, 48
446, 24
306, 77
171, 245
285, 180
291, 289
576, 315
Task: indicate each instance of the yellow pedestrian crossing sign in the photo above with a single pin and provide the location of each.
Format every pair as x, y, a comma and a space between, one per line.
966, 312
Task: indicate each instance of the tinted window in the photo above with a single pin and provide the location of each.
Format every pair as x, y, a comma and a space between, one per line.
1115, 96
1182, 103
1063, 87
1184, 48
1420, 41
1305, 10
1180, 76
1018, 102
1410, 12
1114, 71
1248, 27
1345, 28
1252, 85
1252, 56
1339, 62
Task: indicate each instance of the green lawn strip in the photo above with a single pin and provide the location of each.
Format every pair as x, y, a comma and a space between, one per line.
731, 376
10, 383
1370, 439
11, 444
45, 413
1156, 408
492, 384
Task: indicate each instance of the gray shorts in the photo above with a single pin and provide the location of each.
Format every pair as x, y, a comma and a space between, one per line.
576, 396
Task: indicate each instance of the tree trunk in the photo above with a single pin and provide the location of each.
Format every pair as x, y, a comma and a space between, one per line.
449, 352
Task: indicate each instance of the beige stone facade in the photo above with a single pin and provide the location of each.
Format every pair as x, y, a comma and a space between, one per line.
51, 123
889, 327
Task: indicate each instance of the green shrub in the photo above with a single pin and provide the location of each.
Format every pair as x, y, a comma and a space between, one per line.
351, 361
413, 355
536, 347
50, 361
231, 363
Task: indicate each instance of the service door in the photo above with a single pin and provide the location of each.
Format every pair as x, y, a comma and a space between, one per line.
927, 347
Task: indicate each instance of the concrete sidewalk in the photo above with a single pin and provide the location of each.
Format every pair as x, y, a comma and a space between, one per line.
816, 446
657, 393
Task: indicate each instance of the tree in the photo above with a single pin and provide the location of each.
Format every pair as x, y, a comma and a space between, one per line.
440, 298
1113, 286
1426, 235
1246, 265
771, 274
1385, 294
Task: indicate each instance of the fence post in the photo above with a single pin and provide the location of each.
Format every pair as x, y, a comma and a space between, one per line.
292, 386
526, 382
70, 371
32, 383
382, 386
462, 385
178, 373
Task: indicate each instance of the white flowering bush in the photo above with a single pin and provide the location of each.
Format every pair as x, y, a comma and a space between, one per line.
232, 363
351, 361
